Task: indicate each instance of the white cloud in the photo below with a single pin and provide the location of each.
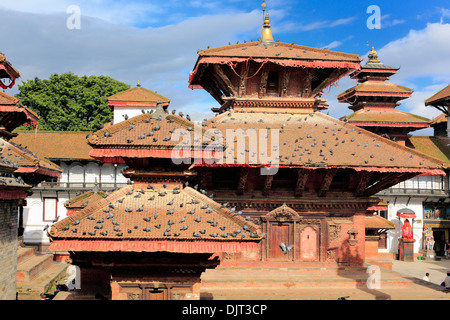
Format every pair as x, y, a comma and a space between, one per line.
421, 53
333, 45
160, 58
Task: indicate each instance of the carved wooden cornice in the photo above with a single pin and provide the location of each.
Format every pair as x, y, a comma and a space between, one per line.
317, 205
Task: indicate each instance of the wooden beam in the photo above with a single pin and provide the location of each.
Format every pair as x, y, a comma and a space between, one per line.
210, 86
363, 182
333, 76
243, 82
302, 178
285, 82
263, 83
306, 87
224, 79
388, 181
242, 180
267, 185
326, 182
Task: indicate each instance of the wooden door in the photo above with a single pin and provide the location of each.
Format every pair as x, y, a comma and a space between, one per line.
309, 244
279, 232
157, 294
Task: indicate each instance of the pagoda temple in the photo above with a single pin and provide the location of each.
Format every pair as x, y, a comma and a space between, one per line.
374, 101
20, 169
270, 180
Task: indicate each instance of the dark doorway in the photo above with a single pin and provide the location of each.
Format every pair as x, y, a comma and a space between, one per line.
439, 242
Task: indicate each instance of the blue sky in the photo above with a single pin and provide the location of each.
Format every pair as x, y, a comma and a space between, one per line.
156, 42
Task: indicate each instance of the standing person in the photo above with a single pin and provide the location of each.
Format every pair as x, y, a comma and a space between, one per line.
447, 250
426, 277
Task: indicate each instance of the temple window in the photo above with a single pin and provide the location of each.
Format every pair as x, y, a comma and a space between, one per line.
272, 82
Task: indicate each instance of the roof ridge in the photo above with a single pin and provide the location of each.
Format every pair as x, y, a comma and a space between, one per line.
83, 213
205, 52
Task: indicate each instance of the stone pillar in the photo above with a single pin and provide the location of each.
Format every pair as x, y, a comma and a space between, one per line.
406, 249
8, 249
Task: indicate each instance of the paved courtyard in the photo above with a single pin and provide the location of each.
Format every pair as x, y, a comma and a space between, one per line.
418, 269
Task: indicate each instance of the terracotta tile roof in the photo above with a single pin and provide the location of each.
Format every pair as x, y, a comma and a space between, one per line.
8, 66
10, 104
284, 54
377, 222
376, 87
316, 140
280, 50
438, 97
56, 145
437, 147
7, 99
25, 161
140, 213
439, 119
138, 95
84, 200
144, 135
386, 116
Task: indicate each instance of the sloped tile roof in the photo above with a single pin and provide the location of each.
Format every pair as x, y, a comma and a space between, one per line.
439, 119
376, 87
140, 213
138, 94
146, 129
56, 145
146, 135
83, 200
25, 161
437, 147
386, 116
8, 66
280, 50
377, 222
444, 94
315, 140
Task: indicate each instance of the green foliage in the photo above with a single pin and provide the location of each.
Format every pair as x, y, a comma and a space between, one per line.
68, 102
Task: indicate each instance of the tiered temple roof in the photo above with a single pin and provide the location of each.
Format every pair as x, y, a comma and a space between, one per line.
374, 101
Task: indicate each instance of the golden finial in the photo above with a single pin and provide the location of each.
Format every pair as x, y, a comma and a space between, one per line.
139, 83
373, 57
263, 6
266, 33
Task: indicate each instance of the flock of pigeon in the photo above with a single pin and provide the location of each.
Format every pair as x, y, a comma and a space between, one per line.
163, 213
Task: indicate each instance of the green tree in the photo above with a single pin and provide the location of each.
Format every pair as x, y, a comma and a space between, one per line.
68, 102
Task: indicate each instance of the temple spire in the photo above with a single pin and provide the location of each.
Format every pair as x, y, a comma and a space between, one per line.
266, 33
373, 57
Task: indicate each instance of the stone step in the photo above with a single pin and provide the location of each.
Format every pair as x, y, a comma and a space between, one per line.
24, 253
30, 290
31, 267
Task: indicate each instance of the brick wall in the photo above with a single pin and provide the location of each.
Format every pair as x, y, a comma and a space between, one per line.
8, 249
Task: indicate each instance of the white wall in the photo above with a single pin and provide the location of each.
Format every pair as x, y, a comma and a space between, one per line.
414, 204
33, 213
119, 113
